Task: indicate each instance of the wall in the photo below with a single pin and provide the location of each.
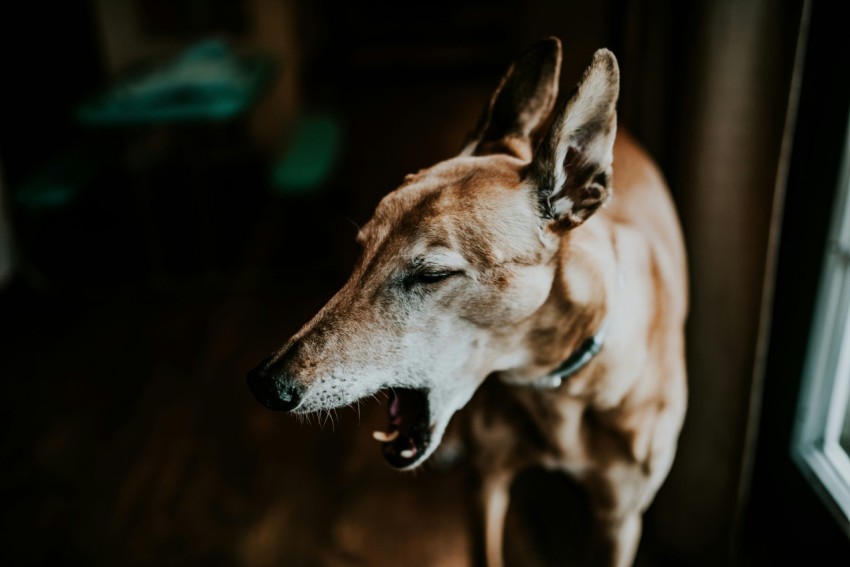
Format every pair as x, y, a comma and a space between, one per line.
6, 263
729, 138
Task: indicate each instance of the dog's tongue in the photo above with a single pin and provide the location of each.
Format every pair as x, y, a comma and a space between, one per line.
402, 412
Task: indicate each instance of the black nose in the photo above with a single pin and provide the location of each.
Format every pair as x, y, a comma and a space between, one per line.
274, 390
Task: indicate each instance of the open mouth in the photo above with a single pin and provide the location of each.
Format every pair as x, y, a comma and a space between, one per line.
409, 431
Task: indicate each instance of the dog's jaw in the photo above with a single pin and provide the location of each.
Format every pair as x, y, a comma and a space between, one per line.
442, 407
441, 403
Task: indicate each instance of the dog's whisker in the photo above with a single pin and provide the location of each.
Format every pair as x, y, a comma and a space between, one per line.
354, 223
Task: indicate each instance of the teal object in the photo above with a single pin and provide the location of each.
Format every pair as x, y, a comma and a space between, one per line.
309, 159
207, 82
58, 184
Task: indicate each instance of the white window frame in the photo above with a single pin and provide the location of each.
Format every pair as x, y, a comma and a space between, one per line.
825, 389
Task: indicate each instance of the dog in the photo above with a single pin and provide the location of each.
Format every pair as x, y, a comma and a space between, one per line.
546, 259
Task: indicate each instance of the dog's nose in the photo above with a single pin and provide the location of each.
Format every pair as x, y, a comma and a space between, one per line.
276, 391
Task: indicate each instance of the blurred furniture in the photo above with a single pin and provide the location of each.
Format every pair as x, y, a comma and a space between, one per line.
307, 162
196, 174
208, 82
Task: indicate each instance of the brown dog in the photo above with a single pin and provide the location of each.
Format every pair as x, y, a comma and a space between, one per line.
513, 260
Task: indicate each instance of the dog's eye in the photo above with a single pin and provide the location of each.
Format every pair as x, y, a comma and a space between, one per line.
430, 277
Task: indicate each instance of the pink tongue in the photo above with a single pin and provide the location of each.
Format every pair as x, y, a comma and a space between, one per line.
394, 411
403, 411
394, 406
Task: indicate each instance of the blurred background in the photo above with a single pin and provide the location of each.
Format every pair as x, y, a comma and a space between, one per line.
180, 185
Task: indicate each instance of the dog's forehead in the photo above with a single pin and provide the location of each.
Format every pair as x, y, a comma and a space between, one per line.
497, 169
449, 192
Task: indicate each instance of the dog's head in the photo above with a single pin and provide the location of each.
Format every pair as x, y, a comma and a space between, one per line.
458, 260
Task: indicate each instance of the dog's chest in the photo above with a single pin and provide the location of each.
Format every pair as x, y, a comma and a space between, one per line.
518, 427
560, 424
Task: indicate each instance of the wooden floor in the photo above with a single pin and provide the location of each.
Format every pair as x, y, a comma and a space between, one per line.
130, 438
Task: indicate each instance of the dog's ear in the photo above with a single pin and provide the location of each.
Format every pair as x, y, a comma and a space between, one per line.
521, 103
571, 170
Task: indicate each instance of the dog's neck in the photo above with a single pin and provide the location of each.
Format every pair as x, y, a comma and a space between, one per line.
586, 347
575, 362
579, 358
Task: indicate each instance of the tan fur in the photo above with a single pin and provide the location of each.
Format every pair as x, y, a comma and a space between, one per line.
613, 427
529, 289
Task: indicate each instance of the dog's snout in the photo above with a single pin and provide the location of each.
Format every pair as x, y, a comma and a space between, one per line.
274, 389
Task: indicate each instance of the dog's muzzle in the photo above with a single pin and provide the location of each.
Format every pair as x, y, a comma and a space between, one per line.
273, 388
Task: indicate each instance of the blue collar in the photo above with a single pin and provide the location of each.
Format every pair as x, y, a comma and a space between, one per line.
580, 358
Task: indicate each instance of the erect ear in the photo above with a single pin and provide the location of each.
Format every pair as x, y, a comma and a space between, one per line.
521, 103
571, 170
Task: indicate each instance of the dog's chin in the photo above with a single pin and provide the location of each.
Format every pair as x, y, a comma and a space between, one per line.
414, 430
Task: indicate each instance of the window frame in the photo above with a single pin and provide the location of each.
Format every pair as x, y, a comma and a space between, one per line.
825, 388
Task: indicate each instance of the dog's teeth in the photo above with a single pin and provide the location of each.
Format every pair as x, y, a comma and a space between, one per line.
384, 437
407, 453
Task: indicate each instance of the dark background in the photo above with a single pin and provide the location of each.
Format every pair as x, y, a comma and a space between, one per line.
145, 268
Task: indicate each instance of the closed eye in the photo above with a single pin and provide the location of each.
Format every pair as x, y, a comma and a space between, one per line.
428, 277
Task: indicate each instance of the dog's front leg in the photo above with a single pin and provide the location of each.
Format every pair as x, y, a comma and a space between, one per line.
616, 540
618, 494
494, 498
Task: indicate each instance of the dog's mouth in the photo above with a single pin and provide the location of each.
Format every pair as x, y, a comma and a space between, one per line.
408, 433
